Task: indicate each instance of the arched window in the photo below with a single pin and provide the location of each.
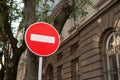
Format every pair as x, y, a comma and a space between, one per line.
49, 73
112, 51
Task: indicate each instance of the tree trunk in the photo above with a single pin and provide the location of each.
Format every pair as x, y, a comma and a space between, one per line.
10, 63
32, 67
11, 72
12, 66
32, 60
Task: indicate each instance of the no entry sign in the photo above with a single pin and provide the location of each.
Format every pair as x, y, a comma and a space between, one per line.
42, 39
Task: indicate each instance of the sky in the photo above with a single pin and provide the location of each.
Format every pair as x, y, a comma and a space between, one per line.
16, 23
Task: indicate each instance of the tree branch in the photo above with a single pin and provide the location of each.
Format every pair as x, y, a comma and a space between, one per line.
22, 48
7, 27
29, 12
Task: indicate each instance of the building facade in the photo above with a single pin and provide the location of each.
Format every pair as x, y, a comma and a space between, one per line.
90, 49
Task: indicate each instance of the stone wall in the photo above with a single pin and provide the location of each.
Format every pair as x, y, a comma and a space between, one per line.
89, 53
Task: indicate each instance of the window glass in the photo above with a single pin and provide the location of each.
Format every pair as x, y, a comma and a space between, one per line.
75, 69
74, 47
60, 72
113, 56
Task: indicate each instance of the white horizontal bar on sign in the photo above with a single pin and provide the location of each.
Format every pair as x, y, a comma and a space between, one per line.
42, 38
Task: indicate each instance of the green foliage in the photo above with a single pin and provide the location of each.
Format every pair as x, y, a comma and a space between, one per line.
52, 1
80, 8
16, 12
43, 10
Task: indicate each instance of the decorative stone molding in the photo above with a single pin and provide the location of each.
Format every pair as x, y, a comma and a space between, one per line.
59, 7
73, 28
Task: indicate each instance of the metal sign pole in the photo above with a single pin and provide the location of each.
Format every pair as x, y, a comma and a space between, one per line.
40, 68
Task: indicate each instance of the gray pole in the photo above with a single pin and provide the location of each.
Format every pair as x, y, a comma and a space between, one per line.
40, 68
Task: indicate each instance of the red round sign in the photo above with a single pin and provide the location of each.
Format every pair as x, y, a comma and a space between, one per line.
42, 39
